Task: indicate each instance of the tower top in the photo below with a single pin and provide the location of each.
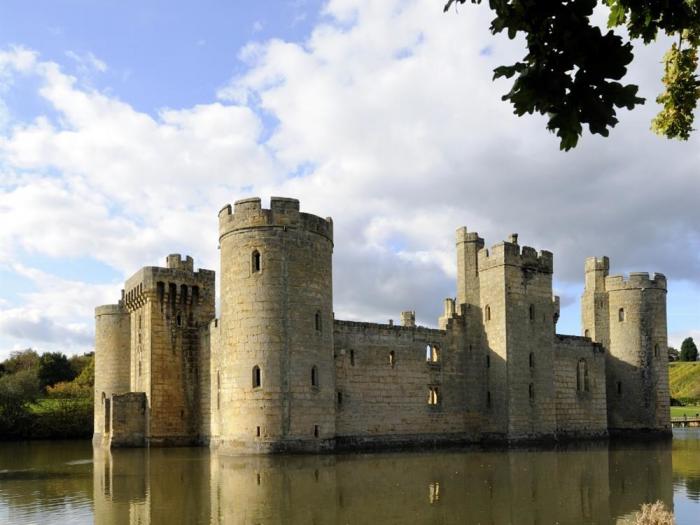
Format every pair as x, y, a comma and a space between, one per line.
283, 213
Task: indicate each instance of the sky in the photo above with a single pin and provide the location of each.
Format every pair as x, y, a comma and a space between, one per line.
125, 126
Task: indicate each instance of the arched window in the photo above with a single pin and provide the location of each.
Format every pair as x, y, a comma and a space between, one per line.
586, 333
318, 321
487, 313
392, 359
621, 314
433, 396
582, 376
256, 261
532, 312
531, 392
432, 353
183, 294
257, 377
314, 376
532, 360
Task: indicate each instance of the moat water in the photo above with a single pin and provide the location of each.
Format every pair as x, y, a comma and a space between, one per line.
66, 483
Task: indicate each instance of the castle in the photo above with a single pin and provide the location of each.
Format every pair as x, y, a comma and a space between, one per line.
277, 372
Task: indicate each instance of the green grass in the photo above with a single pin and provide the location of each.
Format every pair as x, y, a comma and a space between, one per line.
684, 381
688, 411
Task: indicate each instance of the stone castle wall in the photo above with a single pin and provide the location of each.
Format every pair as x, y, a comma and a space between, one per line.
384, 378
579, 383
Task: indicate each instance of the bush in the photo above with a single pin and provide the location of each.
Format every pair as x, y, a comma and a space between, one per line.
653, 514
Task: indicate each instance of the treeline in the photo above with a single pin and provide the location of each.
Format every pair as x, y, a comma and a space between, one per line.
47, 396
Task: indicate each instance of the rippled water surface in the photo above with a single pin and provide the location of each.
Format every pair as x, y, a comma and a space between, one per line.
66, 483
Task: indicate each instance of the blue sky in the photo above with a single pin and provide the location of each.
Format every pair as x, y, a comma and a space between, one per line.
125, 126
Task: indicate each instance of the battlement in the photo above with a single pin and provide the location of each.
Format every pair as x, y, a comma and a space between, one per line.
382, 329
174, 261
177, 280
511, 254
283, 213
463, 235
636, 280
594, 264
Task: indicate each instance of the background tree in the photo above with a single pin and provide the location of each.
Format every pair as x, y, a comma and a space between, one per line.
571, 70
54, 367
689, 352
21, 360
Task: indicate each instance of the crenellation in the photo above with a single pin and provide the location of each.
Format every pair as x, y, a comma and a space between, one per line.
277, 372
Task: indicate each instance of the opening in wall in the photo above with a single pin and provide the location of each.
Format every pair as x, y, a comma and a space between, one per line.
315, 430
531, 392
621, 314
619, 388
532, 312
257, 431
340, 398
314, 376
257, 377
392, 359
532, 360
352, 357
487, 313
433, 396
255, 261
318, 321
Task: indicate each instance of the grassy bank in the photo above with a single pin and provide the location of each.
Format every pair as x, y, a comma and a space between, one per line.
688, 411
684, 382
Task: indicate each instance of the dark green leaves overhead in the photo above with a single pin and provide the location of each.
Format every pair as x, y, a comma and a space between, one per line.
572, 71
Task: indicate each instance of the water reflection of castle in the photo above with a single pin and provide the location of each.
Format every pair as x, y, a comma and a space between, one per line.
595, 484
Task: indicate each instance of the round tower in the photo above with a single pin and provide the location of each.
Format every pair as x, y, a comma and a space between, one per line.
637, 359
275, 381
112, 362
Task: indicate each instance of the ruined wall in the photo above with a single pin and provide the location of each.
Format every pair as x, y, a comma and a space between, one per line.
579, 383
128, 425
112, 362
276, 332
168, 308
384, 377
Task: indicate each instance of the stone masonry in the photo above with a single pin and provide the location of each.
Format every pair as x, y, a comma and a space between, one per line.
276, 372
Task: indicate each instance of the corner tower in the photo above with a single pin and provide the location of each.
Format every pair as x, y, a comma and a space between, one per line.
112, 363
274, 370
637, 358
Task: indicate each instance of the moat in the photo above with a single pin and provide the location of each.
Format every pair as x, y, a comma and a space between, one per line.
65, 482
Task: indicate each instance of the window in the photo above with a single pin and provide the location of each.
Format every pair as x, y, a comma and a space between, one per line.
656, 350
340, 398
586, 333
392, 359
488, 399
255, 261
532, 360
433, 396
432, 353
352, 357
257, 431
532, 312
183, 294
160, 290
531, 392
619, 388
314, 376
315, 430
178, 320
582, 376
488, 361
318, 321
487, 313
257, 377
621, 314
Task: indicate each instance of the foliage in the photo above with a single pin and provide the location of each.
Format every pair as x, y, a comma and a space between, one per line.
21, 360
689, 352
654, 514
79, 362
17, 391
69, 389
54, 367
571, 70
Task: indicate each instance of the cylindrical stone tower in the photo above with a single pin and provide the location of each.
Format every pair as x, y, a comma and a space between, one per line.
637, 364
274, 374
112, 362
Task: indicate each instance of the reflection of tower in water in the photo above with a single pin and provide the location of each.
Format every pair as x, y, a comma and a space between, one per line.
586, 484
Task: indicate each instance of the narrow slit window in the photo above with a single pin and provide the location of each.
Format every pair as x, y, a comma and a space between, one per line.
318, 321
340, 398
656, 351
619, 388
256, 261
183, 294
488, 399
621, 314
532, 360
257, 431
434, 354
316, 431
531, 392
582, 376
352, 357
314, 376
487, 313
392, 359
257, 377
488, 361
532, 312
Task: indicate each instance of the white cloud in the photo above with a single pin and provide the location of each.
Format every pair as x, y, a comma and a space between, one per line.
388, 116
